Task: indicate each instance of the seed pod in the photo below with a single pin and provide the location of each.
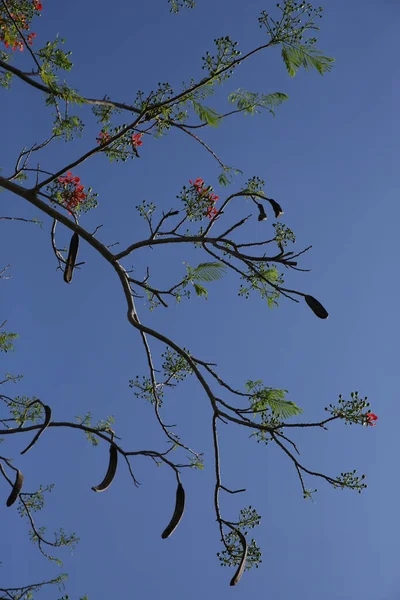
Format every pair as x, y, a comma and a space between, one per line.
47, 418
135, 150
112, 469
237, 576
276, 208
19, 480
178, 512
263, 215
72, 254
316, 307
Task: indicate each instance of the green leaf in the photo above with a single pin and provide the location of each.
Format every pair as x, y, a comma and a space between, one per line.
7, 341
283, 409
274, 398
295, 57
176, 5
288, 63
47, 77
249, 102
209, 271
223, 179
209, 115
200, 290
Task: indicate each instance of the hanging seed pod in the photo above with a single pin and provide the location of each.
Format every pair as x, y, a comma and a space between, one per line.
47, 418
238, 575
17, 487
136, 153
316, 307
276, 208
112, 469
178, 512
263, 215
72, 254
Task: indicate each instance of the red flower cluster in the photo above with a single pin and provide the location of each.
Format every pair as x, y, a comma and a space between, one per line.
211, 212
16, 44
103, 138
371, 418
8, 37
136, 140
198, 184
73, 193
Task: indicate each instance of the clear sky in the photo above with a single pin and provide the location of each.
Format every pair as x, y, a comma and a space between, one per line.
330, 157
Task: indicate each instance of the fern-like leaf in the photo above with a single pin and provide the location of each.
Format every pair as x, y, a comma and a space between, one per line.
274, 399
295, 57
209, 271
200, 290
283, 409
209, 115
176, 5
250, 102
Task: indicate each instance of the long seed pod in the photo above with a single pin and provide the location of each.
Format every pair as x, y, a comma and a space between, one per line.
316, 307
112, 469
239, 572
178, 512
72, 254
47, 418
263, 215
17, 487
276, 208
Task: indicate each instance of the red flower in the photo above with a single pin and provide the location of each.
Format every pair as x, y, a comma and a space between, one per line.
211, 212
371, 418
136, 139
206, 195
198, 183
16, 44
73, 193
37, 4
103, 138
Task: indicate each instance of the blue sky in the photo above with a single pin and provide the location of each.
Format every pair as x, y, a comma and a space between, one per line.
329, 157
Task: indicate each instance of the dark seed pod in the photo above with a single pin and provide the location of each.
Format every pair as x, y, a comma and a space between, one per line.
112, 469
316, 307
178, 512
71, 260
238, 575
276, 208
47, 418
15, 492
263, 215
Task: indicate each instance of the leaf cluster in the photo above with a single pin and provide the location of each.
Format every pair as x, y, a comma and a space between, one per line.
352, 411
233, 552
